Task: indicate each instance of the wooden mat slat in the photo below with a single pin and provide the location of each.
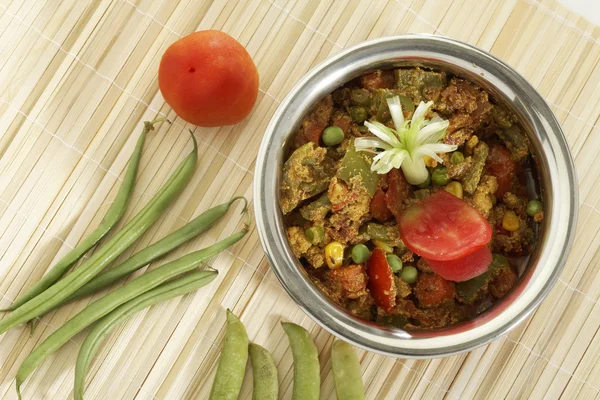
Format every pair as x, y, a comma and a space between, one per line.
78, 78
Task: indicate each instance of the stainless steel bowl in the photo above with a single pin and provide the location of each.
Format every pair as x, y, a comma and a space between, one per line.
555, 171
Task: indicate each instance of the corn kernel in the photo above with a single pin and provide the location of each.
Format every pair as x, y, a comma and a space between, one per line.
510, 221
334, 255
383, 245
455, 188
470, 145
429, 162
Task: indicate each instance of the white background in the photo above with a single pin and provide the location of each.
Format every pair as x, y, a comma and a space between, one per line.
589, 9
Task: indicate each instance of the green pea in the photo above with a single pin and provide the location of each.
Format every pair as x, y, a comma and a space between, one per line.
315, 234
333, 136
409, 274
394, 262
534, 207
360, 253
439, 176
358, 114
457, 157
360, 97
426, 183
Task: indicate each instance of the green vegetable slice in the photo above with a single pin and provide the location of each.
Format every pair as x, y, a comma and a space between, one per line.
354, 164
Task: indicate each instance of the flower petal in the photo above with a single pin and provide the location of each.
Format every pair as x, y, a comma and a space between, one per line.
436, 118
419, 115
422, 151
432, 133
381, 155
382, 132
396, 112
382, 162
433, 149
368, 150
440, 147
362, 144
398, 158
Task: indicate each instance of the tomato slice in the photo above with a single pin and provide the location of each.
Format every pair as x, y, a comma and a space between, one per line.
381, 281
501, 165
465, 268
379, 209
443, 227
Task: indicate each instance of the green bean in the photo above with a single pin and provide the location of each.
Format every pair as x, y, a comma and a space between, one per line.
108, 303
377, 231
112, 216
264, 374
307, 380
232, 362
62, 289
152, 252
104, 326
346, 372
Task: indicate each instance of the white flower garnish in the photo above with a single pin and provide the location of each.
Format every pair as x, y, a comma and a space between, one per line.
408, 144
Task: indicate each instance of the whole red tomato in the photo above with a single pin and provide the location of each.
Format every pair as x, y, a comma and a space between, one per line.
209, 79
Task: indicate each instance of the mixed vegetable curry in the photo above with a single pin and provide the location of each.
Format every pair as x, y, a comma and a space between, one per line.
415, 256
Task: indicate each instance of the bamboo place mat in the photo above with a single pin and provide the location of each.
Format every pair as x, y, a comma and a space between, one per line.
77, 78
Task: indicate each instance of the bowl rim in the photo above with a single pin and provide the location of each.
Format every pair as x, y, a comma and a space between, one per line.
560, 193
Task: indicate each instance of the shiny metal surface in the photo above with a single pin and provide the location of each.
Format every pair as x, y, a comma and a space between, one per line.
555, 168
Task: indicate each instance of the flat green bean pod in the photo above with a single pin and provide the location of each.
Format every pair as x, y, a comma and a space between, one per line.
104, 326
112, 216
232, 362
307, 379
122, 295
116, 245
346, 372
264, 374
190, 230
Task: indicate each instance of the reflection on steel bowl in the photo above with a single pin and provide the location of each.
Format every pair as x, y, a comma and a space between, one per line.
309, 236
